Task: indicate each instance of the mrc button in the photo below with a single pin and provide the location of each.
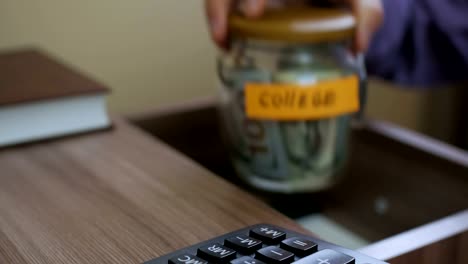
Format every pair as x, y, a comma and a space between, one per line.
187, 259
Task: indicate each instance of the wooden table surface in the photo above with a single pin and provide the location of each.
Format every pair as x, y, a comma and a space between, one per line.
115, 197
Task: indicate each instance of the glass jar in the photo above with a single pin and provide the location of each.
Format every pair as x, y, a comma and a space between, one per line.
287, 55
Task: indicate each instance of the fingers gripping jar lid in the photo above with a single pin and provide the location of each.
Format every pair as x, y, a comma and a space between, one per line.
296, 25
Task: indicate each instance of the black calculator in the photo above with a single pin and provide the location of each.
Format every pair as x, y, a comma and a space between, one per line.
265, 244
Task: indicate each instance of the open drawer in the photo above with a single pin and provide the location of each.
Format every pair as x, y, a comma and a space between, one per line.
409, 205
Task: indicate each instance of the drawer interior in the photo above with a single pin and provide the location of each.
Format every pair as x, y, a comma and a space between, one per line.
389, 186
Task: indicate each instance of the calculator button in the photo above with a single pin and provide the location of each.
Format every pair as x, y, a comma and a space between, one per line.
216, 253
274, 255
326, 256
299, 246
244, 244
268, 234
187, 259
246, 260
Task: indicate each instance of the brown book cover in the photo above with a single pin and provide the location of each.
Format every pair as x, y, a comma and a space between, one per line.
42, 98
32, 75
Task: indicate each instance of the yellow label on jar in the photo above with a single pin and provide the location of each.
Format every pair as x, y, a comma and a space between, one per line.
302, 102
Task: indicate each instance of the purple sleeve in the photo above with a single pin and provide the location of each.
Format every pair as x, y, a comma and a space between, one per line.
422, 42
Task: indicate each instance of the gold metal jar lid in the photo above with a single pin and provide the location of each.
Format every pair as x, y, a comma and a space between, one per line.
295, 24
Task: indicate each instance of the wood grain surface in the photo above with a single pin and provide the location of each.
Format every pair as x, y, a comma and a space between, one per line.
114, 197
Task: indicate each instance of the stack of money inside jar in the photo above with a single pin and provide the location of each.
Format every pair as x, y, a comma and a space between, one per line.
289, 88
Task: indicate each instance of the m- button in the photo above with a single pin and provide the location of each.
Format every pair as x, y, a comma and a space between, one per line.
244, 244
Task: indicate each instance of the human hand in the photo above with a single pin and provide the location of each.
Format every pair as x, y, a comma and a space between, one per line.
369, 15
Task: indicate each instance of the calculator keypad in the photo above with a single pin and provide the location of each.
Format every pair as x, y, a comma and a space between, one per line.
265, 244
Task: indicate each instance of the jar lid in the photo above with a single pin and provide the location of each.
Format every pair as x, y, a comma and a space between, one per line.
295, 24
